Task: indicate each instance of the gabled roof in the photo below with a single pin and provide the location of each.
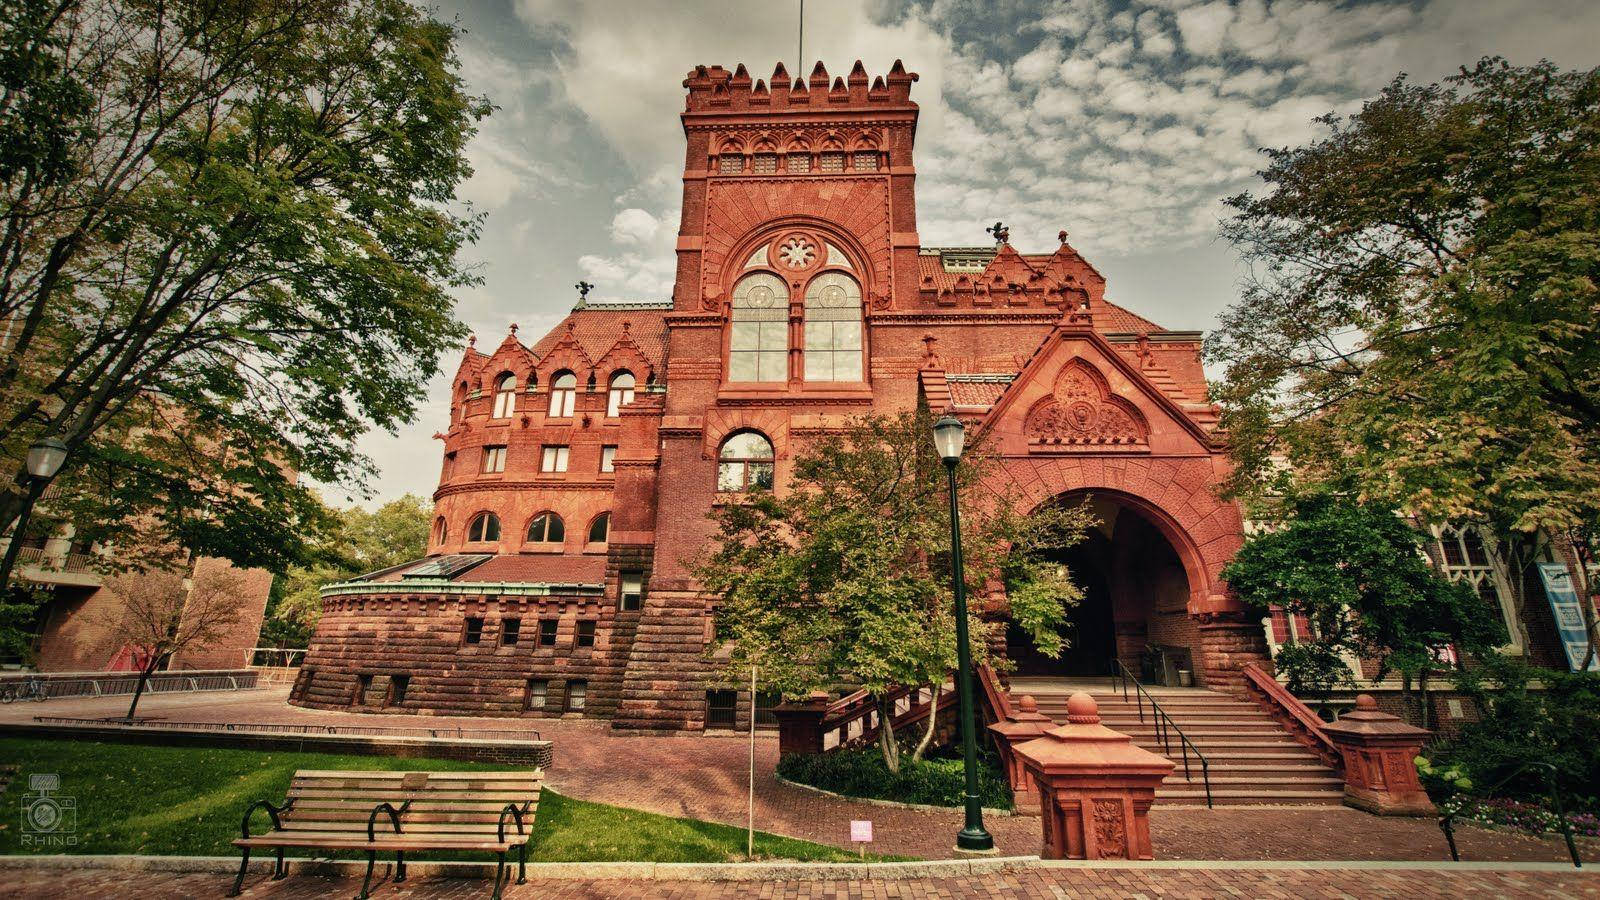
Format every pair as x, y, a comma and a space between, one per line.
597, 326
1108, 317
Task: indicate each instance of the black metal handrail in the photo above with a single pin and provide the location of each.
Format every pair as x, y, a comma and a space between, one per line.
1552, 790
1165, 727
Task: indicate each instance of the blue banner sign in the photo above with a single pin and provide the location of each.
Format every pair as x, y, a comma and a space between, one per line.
1568, 614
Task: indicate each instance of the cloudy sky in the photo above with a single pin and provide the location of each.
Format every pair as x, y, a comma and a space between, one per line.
1122, 121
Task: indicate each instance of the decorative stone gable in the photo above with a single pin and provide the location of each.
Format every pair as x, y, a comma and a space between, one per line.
1081, 412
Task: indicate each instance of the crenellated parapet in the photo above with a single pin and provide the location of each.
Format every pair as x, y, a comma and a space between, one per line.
715, 89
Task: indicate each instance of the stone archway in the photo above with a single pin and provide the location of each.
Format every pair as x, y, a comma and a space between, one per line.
1136, 595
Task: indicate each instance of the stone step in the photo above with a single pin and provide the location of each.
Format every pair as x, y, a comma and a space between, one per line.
1196, 796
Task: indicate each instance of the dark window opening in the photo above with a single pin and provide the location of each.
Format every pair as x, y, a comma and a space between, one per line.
510, 632
547, 632
397, 689
765, 701
363, 683
721, 708
586, 633
474, 630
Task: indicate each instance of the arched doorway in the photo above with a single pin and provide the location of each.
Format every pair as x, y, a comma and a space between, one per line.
1136, 596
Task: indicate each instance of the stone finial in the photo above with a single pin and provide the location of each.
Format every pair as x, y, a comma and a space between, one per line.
1082, 710
1027, 704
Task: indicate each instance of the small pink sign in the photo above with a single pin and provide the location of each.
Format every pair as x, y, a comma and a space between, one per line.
861, 831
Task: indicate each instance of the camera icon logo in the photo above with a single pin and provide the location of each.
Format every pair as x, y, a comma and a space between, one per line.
48, 817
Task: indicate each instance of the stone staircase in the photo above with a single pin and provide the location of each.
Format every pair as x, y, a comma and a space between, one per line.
1253, 759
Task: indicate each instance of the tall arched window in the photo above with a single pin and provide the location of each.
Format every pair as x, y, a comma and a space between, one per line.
441, 530
547, 528
600, 528
745, 463
485, 527
758, 343
505, 396
621, 393
833, 328
563, 395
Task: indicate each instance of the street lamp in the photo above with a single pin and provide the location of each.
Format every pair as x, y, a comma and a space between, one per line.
949, 436
44, 461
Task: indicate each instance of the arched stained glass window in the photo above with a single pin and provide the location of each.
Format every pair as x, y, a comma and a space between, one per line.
833, 328
758, 345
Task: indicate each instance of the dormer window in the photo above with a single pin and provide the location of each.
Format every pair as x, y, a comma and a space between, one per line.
621, 393
505, 396
563, 395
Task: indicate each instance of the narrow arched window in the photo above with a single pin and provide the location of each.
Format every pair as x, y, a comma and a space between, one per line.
600, 528
563, 395
621, 393
441, 530
485, 527
833, 328
758, 342
505, 396
547, 528
745, 463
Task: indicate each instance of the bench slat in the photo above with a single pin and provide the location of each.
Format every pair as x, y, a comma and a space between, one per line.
353, 842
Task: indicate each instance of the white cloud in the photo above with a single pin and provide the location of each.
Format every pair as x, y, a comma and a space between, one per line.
634, 226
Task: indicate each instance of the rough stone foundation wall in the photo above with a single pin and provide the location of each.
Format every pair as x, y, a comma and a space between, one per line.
423, 639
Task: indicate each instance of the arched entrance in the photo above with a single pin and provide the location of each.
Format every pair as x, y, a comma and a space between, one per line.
1136, 598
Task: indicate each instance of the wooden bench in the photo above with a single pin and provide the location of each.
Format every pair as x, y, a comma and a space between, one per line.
399, 811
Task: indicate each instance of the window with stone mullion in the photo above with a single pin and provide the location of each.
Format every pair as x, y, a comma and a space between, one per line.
758, 343
833, 338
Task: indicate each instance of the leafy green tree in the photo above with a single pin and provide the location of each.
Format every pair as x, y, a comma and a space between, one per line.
357, 543
843, 575
1420, 319
228, 237
1357, 573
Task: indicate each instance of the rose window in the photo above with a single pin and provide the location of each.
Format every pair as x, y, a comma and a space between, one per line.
797, 253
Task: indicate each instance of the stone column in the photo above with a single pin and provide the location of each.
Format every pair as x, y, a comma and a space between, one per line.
800, 724
1380, 770
1022, 725
1228, 641
1095, 787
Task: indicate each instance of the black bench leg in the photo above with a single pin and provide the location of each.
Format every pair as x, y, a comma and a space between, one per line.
399, 866
366, 883
500, 877
522, 864
238, 883
280, 869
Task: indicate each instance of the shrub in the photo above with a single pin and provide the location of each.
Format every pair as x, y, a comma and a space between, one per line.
1520, 723
862, 773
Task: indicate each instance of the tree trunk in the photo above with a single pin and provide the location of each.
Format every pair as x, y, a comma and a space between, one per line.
144, 678
933, 726
1427, 698
886, 741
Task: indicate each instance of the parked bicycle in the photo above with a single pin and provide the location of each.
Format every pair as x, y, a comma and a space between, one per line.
26, 689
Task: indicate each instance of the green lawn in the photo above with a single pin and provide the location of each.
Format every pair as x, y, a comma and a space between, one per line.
181, 801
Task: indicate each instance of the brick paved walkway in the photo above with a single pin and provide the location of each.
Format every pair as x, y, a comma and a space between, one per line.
705, 777
1033, 883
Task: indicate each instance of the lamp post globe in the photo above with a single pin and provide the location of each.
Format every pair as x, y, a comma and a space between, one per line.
45, 458
949, 438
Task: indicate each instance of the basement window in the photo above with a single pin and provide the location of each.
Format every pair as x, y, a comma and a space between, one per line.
397, 689
721, 708
538, 693
577, 695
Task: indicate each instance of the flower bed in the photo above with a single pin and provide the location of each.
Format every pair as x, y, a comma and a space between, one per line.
1534, 818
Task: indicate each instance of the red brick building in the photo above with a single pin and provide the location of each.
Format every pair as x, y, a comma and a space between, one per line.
579, 469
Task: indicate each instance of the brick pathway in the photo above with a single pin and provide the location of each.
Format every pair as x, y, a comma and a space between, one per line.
1033, 883
705, 777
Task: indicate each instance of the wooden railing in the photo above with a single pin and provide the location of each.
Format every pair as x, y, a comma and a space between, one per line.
1292, 714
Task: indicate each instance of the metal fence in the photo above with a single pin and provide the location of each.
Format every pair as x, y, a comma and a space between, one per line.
43, 688
459, 733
